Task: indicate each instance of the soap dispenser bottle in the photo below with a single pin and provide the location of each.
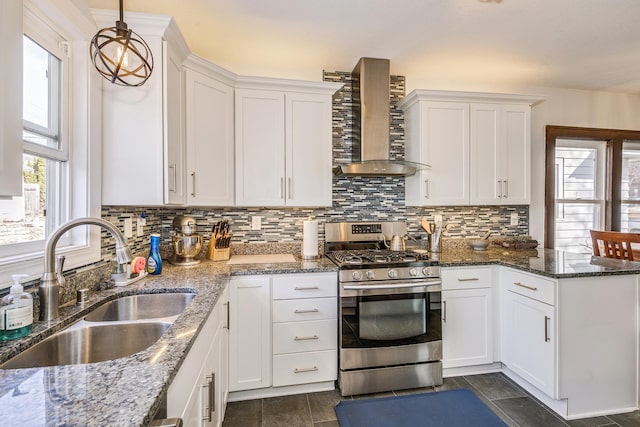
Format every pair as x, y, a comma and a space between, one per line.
16, 311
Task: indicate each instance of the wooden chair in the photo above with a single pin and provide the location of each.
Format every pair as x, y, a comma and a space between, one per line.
614, 244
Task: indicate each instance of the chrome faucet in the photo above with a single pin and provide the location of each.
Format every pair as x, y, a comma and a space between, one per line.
49, 289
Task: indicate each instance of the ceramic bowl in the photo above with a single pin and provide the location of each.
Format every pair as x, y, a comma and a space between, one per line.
478, 244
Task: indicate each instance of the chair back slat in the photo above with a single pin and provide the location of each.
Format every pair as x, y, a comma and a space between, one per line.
614, 244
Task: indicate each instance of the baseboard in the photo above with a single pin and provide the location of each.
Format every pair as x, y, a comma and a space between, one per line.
472, 370
560, 407
259, 393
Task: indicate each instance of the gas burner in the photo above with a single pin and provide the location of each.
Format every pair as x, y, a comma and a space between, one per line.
379, 257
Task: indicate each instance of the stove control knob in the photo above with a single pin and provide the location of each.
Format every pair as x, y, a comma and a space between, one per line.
371, 275
392, 274
426, 271
357, 275
413, 272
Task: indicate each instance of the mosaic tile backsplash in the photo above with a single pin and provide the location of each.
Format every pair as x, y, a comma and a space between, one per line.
354, 198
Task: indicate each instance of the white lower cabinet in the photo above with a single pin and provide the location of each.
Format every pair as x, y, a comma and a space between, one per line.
198, 393
467, 317
305, 330
532, 342
283, 333
249, 333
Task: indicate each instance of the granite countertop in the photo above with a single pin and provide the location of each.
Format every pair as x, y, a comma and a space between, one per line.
126, 391
129, 391
547, 262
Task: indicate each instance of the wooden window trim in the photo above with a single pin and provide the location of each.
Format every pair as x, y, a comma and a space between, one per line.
614, 139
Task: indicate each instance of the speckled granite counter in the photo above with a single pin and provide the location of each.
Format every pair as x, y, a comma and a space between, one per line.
126, 391
546, 262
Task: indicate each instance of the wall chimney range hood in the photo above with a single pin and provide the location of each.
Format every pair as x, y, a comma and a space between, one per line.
371, 139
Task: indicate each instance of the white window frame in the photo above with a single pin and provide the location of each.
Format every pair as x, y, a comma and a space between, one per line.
599, 180
81, 129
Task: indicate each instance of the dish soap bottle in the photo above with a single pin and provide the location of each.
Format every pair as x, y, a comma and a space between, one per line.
16, 311
154, 262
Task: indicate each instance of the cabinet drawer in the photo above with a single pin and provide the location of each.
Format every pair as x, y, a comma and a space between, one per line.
467, 278
294, 310
531, 286
302, 368
295, 337
305, 286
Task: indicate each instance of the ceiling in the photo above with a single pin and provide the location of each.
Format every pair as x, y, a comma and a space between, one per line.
436, 44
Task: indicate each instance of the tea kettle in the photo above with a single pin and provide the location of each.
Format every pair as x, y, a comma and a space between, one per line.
397, 243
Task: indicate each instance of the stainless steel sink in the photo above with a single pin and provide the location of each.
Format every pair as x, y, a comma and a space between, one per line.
89, 344
141, 307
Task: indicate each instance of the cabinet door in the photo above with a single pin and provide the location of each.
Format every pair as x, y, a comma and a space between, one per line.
133, 153
467, 332
444, 139
11, 100
486, 182
515, 169
532, 337
308, 149
249, 333
260, 151
210, 148
173, 113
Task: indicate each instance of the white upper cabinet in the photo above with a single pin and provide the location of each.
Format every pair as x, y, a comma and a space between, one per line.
209, 134
11, 99
437, 134
143, 155
477, 144
283, 142
500, 154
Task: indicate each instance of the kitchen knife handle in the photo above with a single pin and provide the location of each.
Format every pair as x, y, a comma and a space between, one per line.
193, 182
499, 189
290, 188
281, 188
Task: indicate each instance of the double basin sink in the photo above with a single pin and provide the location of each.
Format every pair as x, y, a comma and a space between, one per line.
116, 329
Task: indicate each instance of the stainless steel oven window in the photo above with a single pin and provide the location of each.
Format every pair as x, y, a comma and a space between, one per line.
391, 319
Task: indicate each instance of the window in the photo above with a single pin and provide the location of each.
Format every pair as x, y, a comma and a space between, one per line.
579, 195
592, 182
60, 123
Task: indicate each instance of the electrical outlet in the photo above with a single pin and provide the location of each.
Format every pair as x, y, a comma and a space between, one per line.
140, 222
514, 218
256, 222
437, 219
128, 227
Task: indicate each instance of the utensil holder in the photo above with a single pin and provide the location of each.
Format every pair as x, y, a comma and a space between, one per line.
434, 244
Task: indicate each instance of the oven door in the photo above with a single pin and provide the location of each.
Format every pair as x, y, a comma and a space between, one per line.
390, 314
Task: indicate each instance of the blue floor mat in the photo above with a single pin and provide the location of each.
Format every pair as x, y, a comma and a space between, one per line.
450, 408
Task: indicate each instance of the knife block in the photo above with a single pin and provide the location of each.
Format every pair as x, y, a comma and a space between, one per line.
217, 254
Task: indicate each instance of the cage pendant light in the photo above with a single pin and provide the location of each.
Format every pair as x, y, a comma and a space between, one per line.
120, 55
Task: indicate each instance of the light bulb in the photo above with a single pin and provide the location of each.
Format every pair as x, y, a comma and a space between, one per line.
119, 55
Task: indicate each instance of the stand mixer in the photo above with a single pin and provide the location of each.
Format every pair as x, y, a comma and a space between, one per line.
186, 243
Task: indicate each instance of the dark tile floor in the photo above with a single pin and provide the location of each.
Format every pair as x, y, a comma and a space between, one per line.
508, 400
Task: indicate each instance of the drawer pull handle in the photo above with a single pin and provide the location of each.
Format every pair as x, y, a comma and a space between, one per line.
531, 288
546, 329
315, 310
470, 279
314, 337
297, 371
306, 288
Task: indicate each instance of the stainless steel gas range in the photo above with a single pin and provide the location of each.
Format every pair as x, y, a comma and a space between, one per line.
390, 330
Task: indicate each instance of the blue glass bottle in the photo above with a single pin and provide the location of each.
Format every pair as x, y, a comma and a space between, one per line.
154, 262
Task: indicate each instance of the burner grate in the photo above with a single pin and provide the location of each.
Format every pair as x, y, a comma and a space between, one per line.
376, 256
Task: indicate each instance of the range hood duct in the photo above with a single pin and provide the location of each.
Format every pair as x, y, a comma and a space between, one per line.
371, 139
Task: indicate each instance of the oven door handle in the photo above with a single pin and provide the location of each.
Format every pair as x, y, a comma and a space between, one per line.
391, 286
